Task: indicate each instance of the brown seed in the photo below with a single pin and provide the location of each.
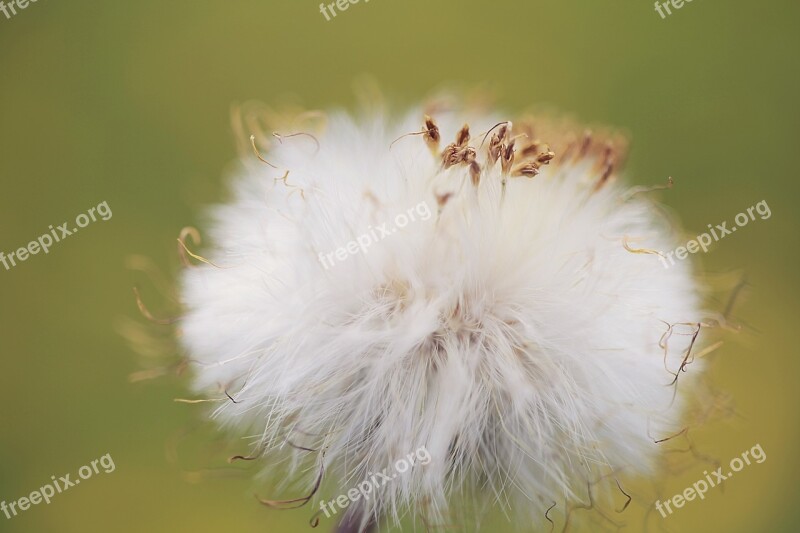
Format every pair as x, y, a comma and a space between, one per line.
468, 154
431, 135
531, 149
587, 141
503, 131
528, 170
546, 157
441, 199
475, 172
450, 156
495, 146
609, 168
507, 157
463, 136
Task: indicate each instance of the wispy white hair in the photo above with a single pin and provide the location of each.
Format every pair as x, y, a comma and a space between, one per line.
517, 333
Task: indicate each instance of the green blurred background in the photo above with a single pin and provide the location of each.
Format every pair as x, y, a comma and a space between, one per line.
128, 102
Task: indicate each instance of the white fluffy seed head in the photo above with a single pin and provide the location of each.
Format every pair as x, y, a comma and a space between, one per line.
488, 296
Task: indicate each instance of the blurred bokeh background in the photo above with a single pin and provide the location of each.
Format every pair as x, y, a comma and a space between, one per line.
129, 103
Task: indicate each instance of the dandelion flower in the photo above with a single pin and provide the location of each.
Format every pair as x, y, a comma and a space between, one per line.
479, 286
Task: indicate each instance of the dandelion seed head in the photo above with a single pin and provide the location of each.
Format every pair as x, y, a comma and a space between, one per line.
511, 325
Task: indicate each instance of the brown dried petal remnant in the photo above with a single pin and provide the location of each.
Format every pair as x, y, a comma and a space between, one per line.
475, 173
431, 136
507, 154
527, 160
463, 136
528, 170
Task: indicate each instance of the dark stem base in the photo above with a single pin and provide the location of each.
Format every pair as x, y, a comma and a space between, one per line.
351, 523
